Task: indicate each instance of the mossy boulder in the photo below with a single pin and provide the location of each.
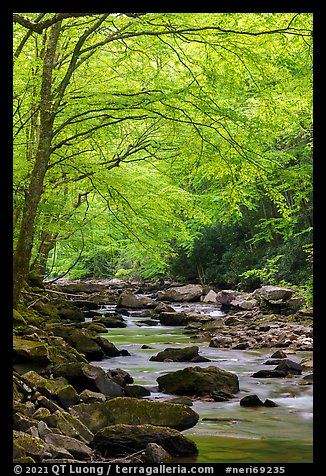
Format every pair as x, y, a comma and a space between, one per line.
66, 395
34, 280
41, 384
69, 425
75, 447
187, 354
30, 446
136, 391
173, 319
85, 341
251, 401
129, 411
22, 422
31, 350
198, 381
86, 376
187, 293
18, 319
128, 439
87, 396
129, 300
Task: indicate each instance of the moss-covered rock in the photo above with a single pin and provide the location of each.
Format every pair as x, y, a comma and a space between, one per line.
198, 381
187, 354
66, 395
86, 376
24, 459
41, 413
22, 422
87, 396
69, 425
173, 319
127, 439
34, 280
30, 445
75, 447
134, 412
45, 386
18, 319
31, 350
136, 391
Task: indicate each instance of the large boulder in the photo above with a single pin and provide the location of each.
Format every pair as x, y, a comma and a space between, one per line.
86, 376
129, 411
187, 354
127, 439
130, 300
75, 447
173, 319
273, 293
198, 381
187, 293
44, 386
28, 445
30, 350
226, 296
210, 297
290, 367
85, 341
111, 321
69, 425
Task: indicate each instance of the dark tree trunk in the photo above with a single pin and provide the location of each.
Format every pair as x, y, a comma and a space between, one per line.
48, 241
23, 249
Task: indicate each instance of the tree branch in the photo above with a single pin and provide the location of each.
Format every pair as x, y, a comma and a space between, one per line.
38, 27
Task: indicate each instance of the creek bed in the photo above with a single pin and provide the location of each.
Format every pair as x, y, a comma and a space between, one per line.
226, 432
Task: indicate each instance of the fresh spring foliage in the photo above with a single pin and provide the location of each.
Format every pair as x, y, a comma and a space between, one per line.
139, 137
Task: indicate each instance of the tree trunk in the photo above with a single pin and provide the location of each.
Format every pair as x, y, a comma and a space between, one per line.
23, 249
48, 242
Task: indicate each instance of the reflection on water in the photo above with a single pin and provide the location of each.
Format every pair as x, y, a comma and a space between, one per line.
226, 432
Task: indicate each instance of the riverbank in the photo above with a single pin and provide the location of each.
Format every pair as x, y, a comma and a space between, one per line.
54, 380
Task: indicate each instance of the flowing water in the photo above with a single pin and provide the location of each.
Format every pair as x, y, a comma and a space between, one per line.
226, 432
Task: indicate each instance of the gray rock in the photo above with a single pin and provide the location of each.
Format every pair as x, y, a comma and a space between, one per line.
187, 293
270, 403
210, 297
120, 376
251, 401
274, 293
68, 425
30, 446
130, 411
122, 439
187, 354
136, 391
155, 454
279, 354
87, 396
198, 381
173, 319
86, 376
75, 447
290, 367
226, 296
269, 374
130, 300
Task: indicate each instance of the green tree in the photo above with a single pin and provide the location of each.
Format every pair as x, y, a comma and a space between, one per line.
194, 104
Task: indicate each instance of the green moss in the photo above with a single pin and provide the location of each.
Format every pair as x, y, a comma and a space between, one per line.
18, 318
25, 459
31, 445
34, 280
31, 350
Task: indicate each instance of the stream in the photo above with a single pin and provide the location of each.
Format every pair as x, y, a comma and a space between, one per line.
226, 432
